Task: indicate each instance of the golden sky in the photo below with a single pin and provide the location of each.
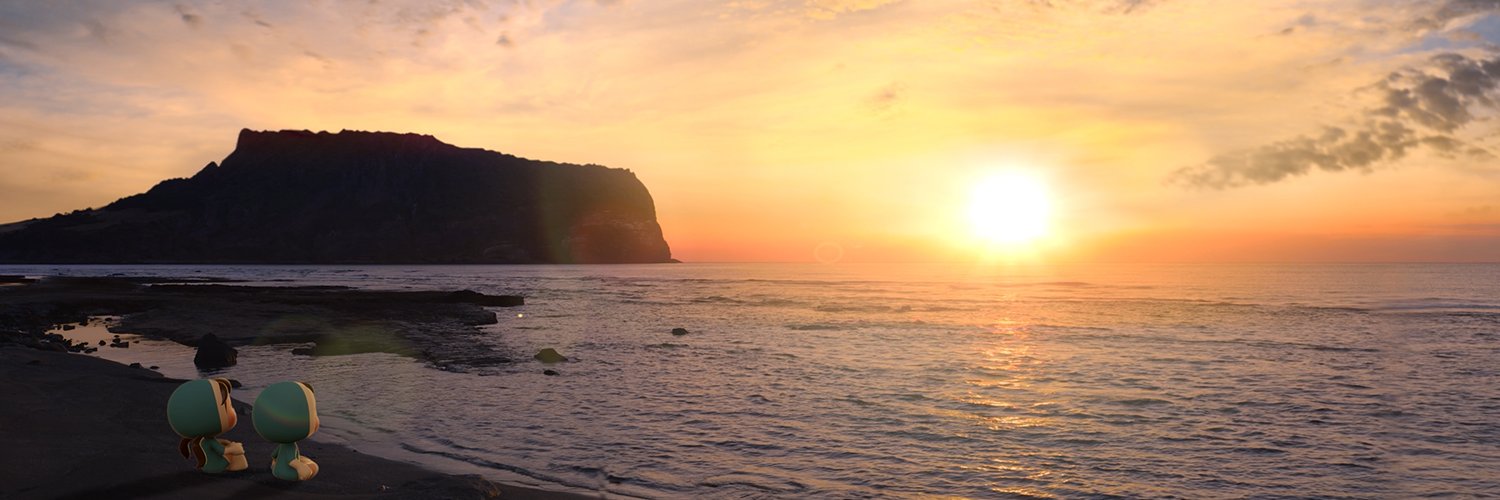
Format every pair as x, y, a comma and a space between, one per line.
1161, 130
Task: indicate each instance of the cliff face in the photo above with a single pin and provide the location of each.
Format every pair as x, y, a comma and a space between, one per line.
360, 197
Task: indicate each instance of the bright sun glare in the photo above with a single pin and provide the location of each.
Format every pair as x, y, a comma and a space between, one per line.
1009, 209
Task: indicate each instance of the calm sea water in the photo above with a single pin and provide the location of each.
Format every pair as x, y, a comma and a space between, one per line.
929, 381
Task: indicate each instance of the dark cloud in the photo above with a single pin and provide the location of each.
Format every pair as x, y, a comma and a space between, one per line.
17, 43
1417, 108
1133, 6
887, 98
1110, 6
1454, 9
188, 17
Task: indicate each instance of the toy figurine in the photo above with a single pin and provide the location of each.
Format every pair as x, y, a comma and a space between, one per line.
286, 413
199, 410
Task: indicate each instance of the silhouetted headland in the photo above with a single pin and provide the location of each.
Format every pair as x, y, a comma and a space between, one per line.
360, 197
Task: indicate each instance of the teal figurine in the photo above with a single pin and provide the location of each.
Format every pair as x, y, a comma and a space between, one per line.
199, 410
286, 413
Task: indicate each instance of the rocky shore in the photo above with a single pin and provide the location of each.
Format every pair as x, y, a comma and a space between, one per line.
437, 327
82, 427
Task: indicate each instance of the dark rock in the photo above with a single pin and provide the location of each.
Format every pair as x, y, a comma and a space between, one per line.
233, 384
153, 367
473, 297
548, 372
549, 355
302, 351
135, 365
214, 353
360, 197
68, 327
90, 350
102, 342
679, 331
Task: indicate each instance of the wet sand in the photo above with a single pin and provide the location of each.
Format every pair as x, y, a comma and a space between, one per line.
77, 426
80, 427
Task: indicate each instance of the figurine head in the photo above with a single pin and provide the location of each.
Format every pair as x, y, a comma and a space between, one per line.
201, 408
286, 412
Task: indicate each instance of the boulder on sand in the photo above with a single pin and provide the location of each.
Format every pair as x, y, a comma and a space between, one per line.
679, 331
549, 355
214, 353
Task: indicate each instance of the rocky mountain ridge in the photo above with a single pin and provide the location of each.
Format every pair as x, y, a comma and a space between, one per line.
360, 197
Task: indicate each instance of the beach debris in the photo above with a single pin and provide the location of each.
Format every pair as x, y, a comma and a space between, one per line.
102, 342
549, 355
679, 331
214, 353
548, 372
125, 345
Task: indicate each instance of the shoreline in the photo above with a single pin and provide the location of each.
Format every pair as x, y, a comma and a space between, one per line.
89, 427
82, 426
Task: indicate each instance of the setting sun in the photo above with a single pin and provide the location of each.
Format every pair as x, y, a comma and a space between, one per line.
1009, 208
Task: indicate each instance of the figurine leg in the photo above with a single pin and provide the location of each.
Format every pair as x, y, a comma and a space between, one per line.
235, 454
311, 465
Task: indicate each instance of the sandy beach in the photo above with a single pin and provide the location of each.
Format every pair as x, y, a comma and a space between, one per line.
76, 426
80, 427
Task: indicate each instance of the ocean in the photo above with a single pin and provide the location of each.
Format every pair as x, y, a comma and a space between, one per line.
924, 381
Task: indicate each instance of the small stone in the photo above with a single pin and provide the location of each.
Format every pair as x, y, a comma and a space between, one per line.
135, 365
679, 331
548, 372
549, 355
102, 342
153, 367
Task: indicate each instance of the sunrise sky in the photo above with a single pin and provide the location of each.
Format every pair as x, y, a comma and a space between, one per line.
1168, 130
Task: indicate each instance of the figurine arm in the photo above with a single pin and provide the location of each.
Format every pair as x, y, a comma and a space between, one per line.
231, 447
213, 445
